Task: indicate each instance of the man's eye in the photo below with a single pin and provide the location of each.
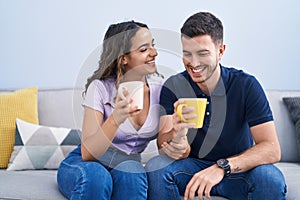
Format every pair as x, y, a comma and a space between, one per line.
202, 53
143, 49
187, 55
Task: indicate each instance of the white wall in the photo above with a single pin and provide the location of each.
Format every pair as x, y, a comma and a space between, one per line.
48, 43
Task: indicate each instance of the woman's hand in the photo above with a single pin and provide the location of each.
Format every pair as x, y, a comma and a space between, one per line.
123, 109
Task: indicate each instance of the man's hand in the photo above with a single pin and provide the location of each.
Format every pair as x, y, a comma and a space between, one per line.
202, 182
178, 147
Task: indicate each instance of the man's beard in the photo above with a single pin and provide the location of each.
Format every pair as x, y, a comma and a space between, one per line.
210, 75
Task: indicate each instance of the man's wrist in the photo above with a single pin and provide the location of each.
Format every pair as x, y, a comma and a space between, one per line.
225, 165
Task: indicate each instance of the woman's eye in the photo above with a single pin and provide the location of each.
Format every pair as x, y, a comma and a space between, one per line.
143, 49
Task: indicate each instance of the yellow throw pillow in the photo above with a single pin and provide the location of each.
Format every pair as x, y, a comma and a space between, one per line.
18, 104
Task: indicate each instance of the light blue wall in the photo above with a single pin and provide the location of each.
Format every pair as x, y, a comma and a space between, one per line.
47, 43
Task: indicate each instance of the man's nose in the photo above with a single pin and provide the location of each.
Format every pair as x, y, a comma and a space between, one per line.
195, 61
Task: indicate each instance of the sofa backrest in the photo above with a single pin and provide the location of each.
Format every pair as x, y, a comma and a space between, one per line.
62, 108
285, 128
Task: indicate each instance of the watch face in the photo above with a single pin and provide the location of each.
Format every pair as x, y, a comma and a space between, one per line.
222, 162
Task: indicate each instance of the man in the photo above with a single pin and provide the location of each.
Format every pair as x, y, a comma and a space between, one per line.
232, 154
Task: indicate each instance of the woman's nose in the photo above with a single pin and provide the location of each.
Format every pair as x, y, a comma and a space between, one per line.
153, 52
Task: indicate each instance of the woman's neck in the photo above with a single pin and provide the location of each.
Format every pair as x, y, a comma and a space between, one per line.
127, 78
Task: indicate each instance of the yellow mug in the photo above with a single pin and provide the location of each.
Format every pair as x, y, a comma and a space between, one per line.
199, 105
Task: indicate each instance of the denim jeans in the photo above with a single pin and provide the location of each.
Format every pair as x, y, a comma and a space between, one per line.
116, 176
168, 179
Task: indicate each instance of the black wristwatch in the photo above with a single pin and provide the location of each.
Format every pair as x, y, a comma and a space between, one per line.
224, 164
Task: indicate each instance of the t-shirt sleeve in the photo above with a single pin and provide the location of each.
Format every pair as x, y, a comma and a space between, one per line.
258, 110
167, 98
95, 95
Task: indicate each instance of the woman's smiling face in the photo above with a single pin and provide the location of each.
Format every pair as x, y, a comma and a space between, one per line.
142, 54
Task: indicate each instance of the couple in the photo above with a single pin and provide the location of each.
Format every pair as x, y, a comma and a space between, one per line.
230, 156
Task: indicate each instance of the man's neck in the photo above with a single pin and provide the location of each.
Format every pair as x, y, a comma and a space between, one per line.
209, 85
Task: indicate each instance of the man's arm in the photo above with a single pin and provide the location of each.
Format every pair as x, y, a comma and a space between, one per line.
265, 151
172, 137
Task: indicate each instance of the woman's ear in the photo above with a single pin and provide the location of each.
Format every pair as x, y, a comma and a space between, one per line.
124, 60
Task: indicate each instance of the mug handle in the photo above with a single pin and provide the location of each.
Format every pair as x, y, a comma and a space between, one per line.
120, 92
179, 112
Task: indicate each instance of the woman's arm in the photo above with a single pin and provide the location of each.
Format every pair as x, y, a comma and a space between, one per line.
96, 137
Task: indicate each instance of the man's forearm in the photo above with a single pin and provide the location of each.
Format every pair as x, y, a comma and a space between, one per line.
165, 137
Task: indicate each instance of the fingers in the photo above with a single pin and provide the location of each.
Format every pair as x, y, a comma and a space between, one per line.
174, 150
180, 101
201, 183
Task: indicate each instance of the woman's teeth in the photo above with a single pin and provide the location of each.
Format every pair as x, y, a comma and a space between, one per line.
150, 62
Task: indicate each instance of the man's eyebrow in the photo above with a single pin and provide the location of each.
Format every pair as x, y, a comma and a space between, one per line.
185, 51
199, 51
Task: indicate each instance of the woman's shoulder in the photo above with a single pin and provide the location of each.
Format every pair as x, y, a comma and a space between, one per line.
102, 90
103, 84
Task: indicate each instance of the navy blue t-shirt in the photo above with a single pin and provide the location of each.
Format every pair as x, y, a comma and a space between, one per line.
237, 103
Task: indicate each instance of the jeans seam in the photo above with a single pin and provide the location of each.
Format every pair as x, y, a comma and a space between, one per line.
248, 182
81, 170
173, 177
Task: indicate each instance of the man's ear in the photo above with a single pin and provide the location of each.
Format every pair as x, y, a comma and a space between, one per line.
222, 48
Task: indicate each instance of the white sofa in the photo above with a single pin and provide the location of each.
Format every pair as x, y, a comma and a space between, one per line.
55, 108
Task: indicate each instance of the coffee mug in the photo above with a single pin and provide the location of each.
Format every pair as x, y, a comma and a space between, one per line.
135, 92
199, 105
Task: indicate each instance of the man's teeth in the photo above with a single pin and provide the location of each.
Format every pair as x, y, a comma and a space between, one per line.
197, 70
150, 62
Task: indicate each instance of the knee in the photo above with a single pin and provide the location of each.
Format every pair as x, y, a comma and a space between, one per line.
129, 172
85, 180
94, 171
269, 177
95, 179
158, 163
130, 166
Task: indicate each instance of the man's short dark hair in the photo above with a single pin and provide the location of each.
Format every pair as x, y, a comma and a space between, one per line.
203, 23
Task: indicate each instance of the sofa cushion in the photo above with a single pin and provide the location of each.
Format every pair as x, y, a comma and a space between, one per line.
292, 178
29, 185
41, 147
18, 104
293, 105
284, 126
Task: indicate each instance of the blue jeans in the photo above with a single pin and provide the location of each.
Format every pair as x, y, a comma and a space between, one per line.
168, 179
116, 176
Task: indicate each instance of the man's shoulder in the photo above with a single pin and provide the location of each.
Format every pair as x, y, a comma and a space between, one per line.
235, 71
232, 74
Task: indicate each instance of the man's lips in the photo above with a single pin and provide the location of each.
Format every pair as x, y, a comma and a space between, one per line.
197, 70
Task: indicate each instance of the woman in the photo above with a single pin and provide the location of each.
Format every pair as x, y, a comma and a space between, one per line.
107, 164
